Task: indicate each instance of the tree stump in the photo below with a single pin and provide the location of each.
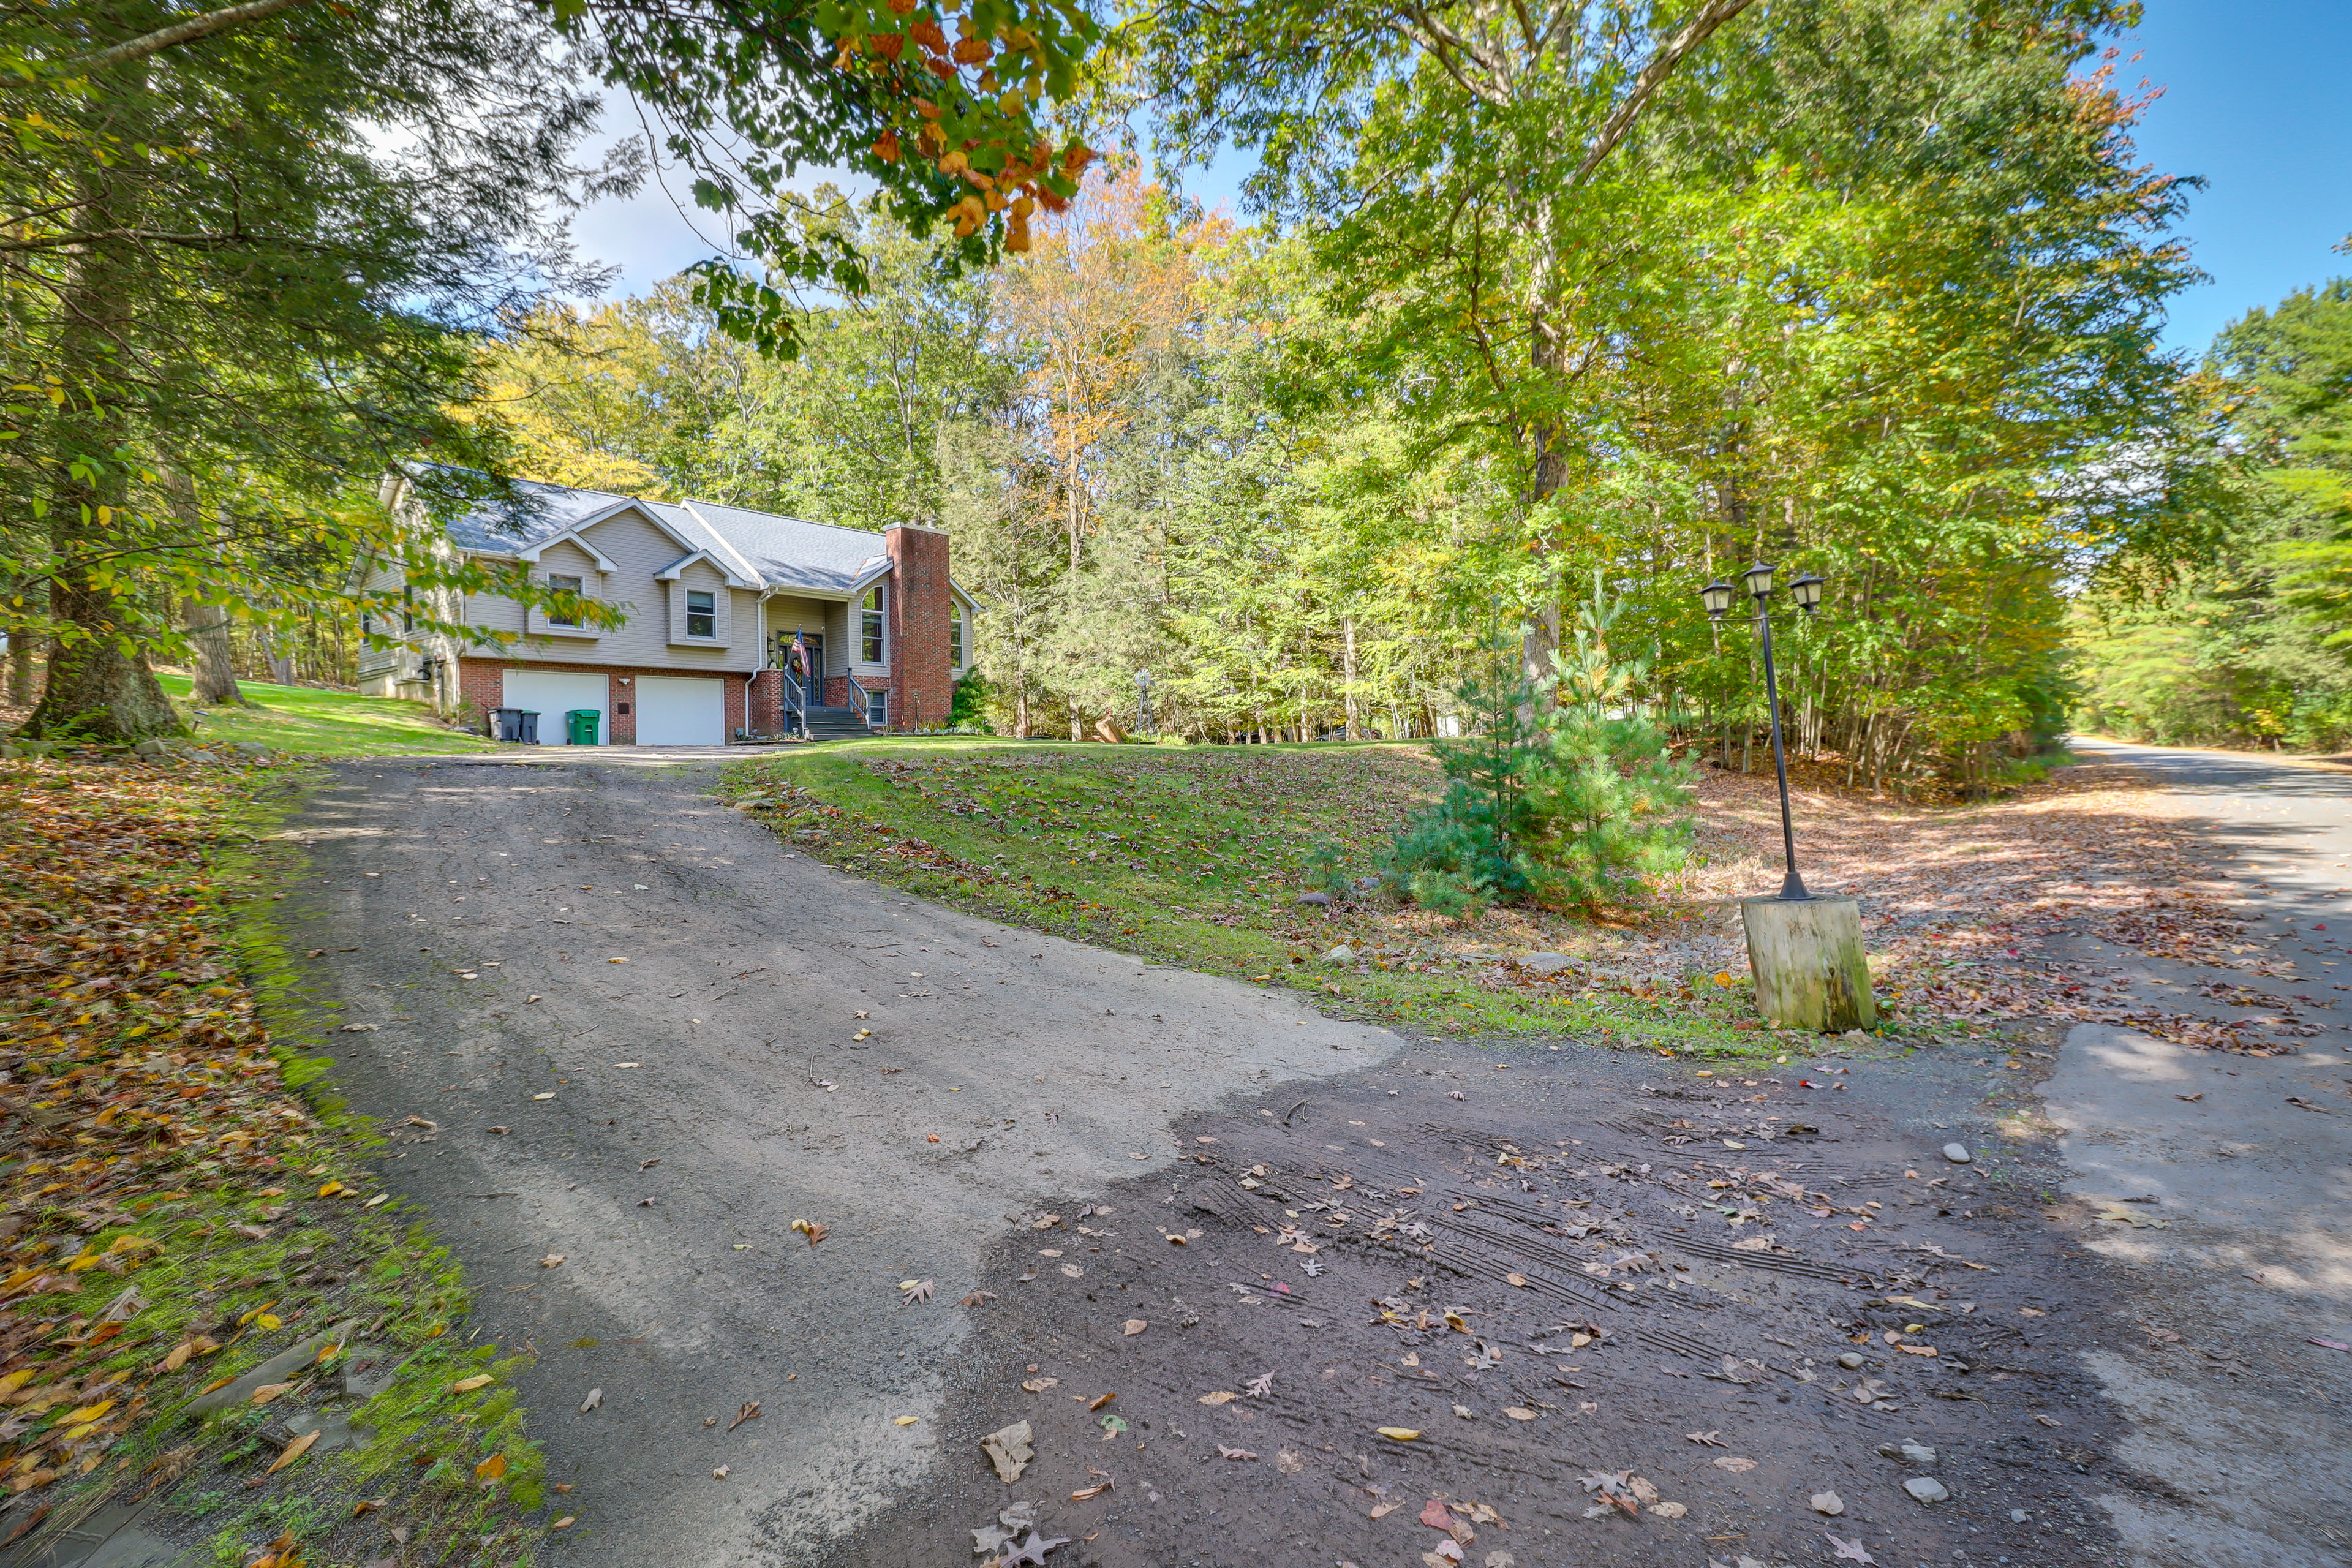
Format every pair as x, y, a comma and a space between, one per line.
1807, 957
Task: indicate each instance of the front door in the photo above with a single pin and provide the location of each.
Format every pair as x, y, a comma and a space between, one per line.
815, 680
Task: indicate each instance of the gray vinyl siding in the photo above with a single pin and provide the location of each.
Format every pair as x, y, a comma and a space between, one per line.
637, 550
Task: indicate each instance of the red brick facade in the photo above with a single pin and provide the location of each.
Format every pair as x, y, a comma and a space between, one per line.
481, 683
922, 681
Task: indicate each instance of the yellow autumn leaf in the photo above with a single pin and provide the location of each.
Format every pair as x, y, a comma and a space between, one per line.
269, 1391
467, 1384
294, 1450
89, 1412
1401, 1434
1223, 1396
903, 1420
87, 1260
269, 1321
15, 1381
178, 1357
256, 1312
331, 1189
491, 1469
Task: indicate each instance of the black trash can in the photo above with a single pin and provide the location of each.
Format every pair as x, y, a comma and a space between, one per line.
516, 726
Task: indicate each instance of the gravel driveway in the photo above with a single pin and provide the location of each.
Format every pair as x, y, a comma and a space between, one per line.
1026, 1121
781, 1043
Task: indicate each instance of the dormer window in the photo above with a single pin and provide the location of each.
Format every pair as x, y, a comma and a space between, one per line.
701, 614
870, 626
559, 583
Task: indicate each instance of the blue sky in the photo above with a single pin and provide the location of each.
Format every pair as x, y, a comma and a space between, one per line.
2254, 101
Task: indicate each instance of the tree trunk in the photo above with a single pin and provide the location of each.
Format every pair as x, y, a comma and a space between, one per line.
20, 668
215, 684
1348, 646
100, 686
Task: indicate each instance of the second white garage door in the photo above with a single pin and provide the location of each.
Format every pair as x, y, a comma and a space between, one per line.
681, 710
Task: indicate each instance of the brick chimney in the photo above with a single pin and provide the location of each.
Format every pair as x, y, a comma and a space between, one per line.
922, 682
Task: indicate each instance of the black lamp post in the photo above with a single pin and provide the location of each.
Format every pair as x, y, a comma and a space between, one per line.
1807, 591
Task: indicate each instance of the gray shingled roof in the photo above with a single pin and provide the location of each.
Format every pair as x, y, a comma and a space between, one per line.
777, 551
786, 553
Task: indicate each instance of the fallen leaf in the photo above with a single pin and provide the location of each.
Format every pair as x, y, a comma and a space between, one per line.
552, 1260
2049, 1420
1040, 1384
1518, 1279
904, 1420
1434, 1514
566, 1523
1235, 1453
751, 1412
1088, 1494
814, 1230
467, 1384
491, 1469
720, 1473
918, 1290
595, 1397
368, 1505
1288, 1462
1008, 1450
1852, 1550
2192, 1098
269, 1391
1707, 1439
293, 1451
977, 1299
1098, 1401
1382, 1509
1668, 1510
1396, 1433
1916, 1350
1827, 1502
1737, 1466
1135, 1326
1223, 1396
1518, 1413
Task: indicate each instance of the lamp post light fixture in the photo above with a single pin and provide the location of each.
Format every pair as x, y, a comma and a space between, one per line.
1143, 702
1807, 591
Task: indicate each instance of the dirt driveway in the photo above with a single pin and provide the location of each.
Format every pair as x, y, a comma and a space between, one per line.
1651, 1274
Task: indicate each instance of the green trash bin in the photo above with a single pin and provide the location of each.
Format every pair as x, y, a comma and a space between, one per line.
581, 726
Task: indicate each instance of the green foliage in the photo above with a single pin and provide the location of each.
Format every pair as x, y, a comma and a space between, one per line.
968, 713
1567, 794
2244, 640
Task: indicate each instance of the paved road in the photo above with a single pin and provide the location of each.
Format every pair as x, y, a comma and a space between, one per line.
784, 1043
2239, 1426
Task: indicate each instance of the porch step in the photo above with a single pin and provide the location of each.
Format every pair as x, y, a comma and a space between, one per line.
837, 724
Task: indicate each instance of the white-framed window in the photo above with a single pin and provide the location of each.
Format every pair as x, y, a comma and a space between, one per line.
557, 583
955, 635
870, 626
701, 613
877, 709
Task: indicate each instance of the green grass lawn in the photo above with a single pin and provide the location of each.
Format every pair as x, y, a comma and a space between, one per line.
1196, 856
306, 721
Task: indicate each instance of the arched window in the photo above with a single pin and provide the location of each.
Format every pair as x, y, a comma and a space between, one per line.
870, 626
955, 635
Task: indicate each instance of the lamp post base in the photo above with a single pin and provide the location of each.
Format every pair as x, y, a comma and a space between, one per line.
1807, 957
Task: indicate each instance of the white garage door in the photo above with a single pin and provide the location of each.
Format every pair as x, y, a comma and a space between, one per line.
677, 711
554, 693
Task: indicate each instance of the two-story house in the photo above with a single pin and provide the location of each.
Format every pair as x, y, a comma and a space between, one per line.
716, 599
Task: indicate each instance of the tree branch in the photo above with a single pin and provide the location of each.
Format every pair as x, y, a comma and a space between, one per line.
179, 33
1712, 15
